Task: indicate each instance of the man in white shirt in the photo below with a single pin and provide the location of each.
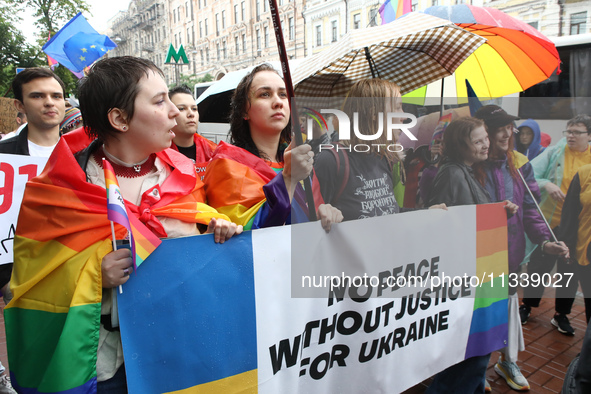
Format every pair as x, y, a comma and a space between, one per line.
39, 94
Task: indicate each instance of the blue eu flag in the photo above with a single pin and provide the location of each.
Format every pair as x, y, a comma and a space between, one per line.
77, 45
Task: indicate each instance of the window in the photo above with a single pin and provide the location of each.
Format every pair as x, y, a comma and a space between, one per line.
206, 27
356, 21
200, 29
373, 17
258, 40
237, 45
223, 19
173, 16
188, 35
204, 3
176, 43
318, 35
207, 54
414, 5
291, 28
186, 9
265, 6
217, 24
434, 2
202, 59
243, 6
533, 24
217, 47
266, 37
578, 23
235, 13
224, 49
193, 34
258, 9
333, 28
244, 43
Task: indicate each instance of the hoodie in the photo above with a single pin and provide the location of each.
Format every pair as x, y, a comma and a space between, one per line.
535, 148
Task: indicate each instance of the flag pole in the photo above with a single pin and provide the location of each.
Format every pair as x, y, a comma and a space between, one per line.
537, 206
295, 120
115, 248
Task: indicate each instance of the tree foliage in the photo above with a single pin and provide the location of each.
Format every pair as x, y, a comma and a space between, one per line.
51, 14
14, 51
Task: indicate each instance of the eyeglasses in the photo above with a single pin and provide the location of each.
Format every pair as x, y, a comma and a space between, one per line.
566, 133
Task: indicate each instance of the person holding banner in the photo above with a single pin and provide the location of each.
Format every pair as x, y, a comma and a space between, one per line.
342, 172
506, 171
187, 141
465, 143
254, 180
65, 265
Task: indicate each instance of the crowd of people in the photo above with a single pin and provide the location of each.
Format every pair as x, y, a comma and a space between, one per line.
178, 183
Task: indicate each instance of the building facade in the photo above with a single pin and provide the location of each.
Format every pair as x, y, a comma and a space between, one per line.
222, 36
217, 36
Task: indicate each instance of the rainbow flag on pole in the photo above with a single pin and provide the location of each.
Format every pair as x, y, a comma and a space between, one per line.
142, 241
393, 9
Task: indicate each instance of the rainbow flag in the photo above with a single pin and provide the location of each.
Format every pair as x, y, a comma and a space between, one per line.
52, 323
234, 184
142, 241
393, 9
489, 326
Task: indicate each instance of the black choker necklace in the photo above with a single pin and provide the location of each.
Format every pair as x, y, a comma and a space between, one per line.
134, 171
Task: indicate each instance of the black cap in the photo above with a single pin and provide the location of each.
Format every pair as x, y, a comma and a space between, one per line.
494, 116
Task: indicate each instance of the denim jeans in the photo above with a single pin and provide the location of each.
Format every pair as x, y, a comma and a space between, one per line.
116, 385
465, 377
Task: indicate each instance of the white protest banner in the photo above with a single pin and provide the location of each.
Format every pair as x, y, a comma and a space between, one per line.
224, 318
15, 171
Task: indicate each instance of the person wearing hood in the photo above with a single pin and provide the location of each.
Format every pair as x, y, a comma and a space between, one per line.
529, 139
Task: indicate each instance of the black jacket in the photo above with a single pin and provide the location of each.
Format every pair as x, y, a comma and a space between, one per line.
455, 184
17, 145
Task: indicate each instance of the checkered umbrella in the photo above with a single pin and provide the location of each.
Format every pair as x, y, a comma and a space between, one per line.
411, 51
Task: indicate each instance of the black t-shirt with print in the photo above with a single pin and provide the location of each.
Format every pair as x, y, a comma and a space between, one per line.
369, 191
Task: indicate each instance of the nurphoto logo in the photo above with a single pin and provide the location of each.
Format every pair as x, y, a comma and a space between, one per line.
393, 120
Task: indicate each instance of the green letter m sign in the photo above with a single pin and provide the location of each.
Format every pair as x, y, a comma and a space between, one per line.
180, 55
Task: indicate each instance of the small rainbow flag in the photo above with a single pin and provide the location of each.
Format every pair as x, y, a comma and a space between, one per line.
393, 9
489, 326
142, 241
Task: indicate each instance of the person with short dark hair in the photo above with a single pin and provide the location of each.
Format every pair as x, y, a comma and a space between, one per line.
128, 119
554, 170
39, 98
39, 95
187, 141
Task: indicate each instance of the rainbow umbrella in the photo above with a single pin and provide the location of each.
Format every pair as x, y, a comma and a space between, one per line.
515, 56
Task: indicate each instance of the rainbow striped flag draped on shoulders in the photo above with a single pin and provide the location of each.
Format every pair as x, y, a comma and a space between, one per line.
234, 183
52, 323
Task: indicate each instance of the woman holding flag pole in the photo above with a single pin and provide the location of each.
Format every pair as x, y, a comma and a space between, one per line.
60, 331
